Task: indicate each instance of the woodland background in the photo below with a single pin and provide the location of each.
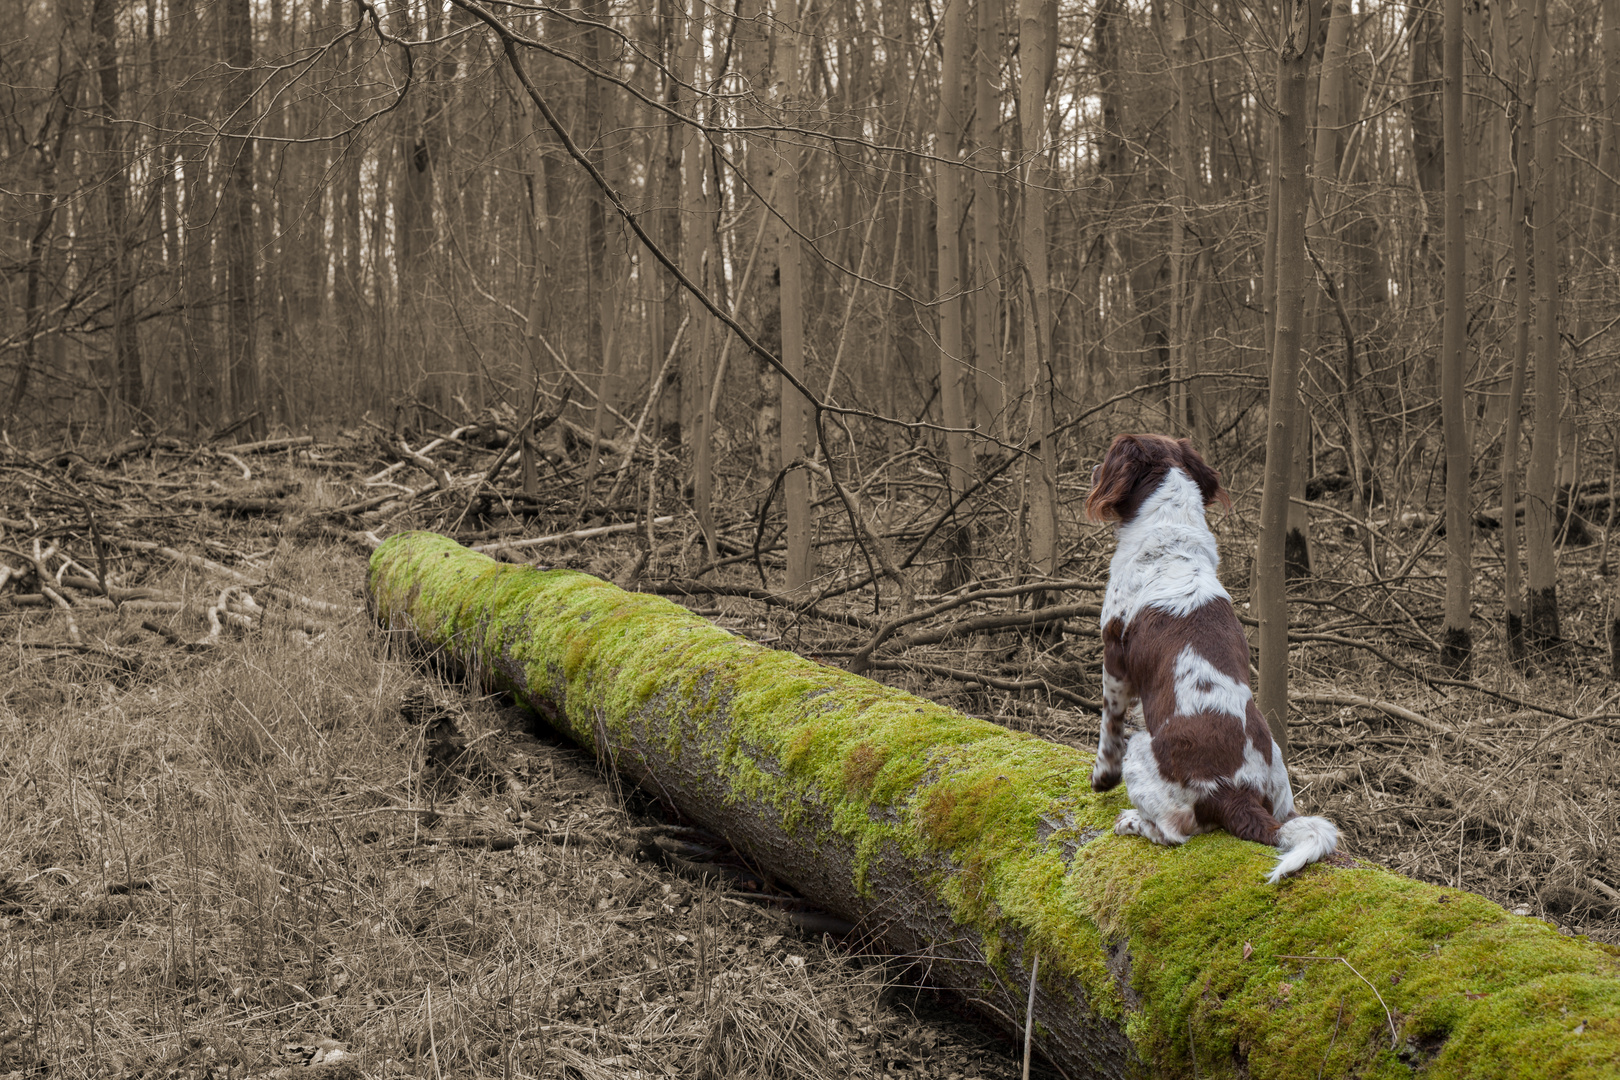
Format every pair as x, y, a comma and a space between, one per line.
815, 315
963, 227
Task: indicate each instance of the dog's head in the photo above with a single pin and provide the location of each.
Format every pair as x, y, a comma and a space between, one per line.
1134, 467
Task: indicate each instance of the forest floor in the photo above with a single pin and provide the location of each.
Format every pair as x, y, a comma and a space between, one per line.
243, 833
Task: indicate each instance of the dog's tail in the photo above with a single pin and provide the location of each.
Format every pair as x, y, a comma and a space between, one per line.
1300, 841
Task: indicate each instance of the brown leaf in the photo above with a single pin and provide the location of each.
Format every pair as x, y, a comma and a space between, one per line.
1248, 950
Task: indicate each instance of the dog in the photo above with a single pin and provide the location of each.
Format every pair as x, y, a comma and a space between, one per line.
1172, 642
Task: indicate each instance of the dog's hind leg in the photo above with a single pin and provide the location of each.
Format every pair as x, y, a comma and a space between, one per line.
1117, 702
1164, 810
1118, 699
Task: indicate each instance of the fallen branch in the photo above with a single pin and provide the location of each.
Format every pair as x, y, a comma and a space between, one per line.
1004, 620
996, 682
269, 444
859, 662
1389, 708
560, 538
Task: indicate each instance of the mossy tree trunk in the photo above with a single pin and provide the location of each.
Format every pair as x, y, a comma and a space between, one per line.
974, 848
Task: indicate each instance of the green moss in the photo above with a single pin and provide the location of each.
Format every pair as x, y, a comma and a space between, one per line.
1004, 830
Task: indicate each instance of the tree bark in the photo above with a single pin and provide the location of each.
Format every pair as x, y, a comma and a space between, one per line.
797, 438
950, 128
1298, 35
974, 849
1512, 587
1456, 636
1603, 199
698, 250
989, 365
125, 394
1038, 43
1541, 626
241, 249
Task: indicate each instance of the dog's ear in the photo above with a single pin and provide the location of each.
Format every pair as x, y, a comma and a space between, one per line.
1115, 478
1207, 479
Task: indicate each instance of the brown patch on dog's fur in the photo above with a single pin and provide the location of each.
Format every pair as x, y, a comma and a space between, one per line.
1133, 468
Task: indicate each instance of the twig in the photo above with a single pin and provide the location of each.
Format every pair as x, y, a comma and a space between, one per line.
1389, 708
323, 606
577, 534
440, 475
247, 473
858, 662
522, 432
1029, 1013
1394, 1039
689, 587
991, 681
269, 444
1001, 620
653, 394
869, 539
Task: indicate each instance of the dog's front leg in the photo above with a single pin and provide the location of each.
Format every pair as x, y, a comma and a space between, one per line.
1118, 699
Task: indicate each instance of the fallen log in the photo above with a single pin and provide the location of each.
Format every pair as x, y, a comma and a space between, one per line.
976, 849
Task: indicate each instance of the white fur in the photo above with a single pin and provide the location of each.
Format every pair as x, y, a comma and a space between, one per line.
1303, 840
1166, 558
1202, 688
1156, 799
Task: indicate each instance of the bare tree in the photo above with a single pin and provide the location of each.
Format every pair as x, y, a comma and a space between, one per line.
796, 433
1541, 626
989, 366
1037, 49
125, 390
241, 247
1295, 44
1457, 638
951, 128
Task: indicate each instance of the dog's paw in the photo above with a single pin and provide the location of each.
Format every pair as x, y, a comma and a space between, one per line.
1104, 777
1129, 823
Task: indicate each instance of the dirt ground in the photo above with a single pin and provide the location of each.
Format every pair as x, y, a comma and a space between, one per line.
243, 832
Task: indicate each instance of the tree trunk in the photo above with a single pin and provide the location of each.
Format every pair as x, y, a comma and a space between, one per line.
241, 248
1185, 177
1038, 43
797, 438
125, 395
951, 127
1541, 626
698, 251
974, 850
1603, 199
596, 124
1512, 588
989, 365
1293, 194
679, 399
1456, 636
50, 138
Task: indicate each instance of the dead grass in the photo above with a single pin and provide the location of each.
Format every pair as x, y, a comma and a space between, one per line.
218, 858
210, 861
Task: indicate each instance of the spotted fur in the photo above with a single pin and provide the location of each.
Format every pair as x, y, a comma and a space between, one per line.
1172, 644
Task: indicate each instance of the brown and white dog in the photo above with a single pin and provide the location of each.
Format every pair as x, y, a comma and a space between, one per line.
1172, 641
